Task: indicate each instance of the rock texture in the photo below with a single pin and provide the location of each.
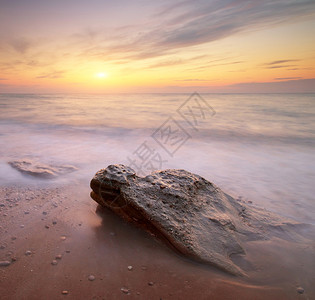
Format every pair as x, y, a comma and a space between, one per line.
190, 213
41, 170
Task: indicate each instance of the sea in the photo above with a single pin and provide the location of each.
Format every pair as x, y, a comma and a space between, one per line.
259, 148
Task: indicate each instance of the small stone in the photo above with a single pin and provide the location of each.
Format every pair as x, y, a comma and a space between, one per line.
125, 290
13, 238
45, 213
54, 262
250, 201
150, 283
54, 222
13, 259
2, 205
64, 292
63, 238
130, 268
144, 268
26, 212
28, 252
300, 290
46, 226
68, 251
59, 256
5, 263
91, 277
22, 226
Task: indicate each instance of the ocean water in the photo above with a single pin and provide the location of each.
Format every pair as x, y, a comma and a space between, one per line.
259, 147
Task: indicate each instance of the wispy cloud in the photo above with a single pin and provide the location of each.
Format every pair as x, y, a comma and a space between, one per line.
177, 61
52, 75
189, 23
212, 64
202, 21
288, 78
175, 26
279, 64
166, 63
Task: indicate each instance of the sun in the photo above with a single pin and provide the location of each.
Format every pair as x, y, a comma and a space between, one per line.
102, 75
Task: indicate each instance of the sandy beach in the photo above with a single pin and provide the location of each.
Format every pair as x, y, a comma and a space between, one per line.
61, 245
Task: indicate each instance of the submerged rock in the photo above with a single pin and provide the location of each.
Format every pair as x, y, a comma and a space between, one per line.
39, 169
188, 212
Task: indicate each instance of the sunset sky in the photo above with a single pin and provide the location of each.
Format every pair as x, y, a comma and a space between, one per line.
101, 46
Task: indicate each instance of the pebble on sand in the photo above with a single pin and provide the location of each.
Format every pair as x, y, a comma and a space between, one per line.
59, 256
150, 283
300, 290
63, 238
130, 268
5, 263
28, 252
91, 277
125, 290
54, 262
64, 292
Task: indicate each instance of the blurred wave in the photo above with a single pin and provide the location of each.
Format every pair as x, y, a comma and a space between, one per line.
258, 146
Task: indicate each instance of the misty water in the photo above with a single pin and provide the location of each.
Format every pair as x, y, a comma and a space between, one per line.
259, 147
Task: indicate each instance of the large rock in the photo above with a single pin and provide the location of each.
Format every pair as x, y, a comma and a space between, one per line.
187, 211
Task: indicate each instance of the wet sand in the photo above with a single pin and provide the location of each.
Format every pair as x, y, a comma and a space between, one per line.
93, 241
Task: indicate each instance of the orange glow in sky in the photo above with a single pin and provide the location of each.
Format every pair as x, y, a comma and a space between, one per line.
157, 46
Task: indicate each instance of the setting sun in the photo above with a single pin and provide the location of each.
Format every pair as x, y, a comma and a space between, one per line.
102, 75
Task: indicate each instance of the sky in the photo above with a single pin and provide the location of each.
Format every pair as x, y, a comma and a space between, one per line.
144, 46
